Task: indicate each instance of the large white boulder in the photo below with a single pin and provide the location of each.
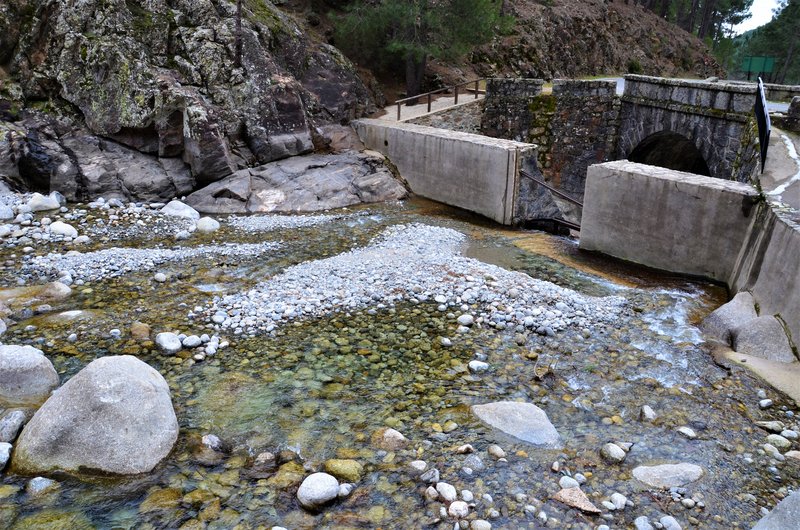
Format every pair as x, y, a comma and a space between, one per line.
784, 516
207, 224
179, 209
720, 324
114, 416
26, 375
317, 490
60, 228
42, 203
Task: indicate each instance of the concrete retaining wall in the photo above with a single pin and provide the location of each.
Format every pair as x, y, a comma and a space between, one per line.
695, 225
666, 219
768, 267
469, 171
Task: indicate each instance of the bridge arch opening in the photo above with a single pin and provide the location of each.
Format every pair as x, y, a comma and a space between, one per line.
670, 150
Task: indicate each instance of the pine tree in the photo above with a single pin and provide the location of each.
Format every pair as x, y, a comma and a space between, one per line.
410, 32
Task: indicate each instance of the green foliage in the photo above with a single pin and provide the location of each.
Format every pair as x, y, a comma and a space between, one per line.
634, 66
777, 39
388, 32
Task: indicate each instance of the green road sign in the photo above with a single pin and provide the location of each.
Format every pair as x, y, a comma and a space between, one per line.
758, 65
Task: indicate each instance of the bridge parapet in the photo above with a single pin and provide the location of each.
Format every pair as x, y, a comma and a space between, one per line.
717, 118
700, 97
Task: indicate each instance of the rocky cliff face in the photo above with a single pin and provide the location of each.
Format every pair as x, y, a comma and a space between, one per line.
572, 38
142, 99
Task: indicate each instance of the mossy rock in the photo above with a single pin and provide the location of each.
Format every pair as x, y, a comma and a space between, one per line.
162, 499
345, 469
54, 520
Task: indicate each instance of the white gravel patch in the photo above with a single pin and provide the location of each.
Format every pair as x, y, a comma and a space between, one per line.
117, 261
265, 223
416, 263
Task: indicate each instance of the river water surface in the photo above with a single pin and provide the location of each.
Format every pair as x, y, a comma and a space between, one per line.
317, 389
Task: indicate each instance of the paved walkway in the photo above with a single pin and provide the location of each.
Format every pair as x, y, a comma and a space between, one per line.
421, 109
781, 177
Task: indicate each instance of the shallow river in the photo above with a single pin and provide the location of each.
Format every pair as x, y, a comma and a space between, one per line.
318, 389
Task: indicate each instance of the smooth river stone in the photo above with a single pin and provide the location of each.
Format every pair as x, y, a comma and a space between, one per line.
668, 475
784, 516
524, 421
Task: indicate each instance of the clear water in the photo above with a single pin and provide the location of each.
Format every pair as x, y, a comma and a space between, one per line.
320, 389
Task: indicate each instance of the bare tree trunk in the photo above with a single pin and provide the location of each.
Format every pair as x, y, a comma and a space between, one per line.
693, 16
238, 42
708, 18
415, 73
787, 62
664, 8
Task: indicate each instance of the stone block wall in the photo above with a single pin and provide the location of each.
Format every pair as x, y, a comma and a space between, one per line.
574, 127
790, 121
507, 112
583, 131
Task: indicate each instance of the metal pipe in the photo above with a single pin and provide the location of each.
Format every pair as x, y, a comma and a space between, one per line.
552, 189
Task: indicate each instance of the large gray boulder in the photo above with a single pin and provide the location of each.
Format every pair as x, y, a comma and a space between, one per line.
784, 516
720, 324
763, 337
114, 416
302, 184
525, 421
26, 375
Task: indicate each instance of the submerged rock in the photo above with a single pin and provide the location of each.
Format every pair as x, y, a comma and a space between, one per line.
113, 416
668, 475
525, 421
575, 498
345, 469
26, 375
302, 184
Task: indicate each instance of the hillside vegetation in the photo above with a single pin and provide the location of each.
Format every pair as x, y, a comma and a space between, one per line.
546, 39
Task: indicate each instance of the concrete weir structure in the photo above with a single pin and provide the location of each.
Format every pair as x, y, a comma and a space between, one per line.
470, 171
695, 225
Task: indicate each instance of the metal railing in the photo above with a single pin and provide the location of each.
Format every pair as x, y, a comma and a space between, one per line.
558, 193
429, 95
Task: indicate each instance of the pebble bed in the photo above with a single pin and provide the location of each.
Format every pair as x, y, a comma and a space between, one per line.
415, 263
266, 223
113, 262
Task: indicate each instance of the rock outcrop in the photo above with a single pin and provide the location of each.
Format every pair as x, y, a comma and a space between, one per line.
117, 99
301, 184
615, 36
114, 416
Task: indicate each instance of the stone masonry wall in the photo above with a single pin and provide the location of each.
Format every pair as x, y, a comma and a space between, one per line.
574, 127
583, 131
463, 118
507, 113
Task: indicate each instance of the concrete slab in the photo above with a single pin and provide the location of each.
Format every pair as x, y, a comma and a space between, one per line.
473, 172
666, 219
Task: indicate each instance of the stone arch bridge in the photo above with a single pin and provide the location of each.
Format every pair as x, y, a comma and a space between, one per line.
700, 127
